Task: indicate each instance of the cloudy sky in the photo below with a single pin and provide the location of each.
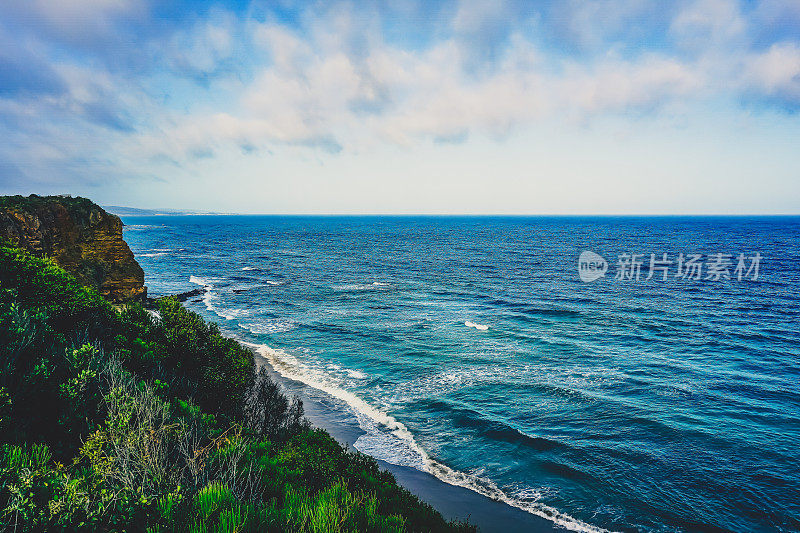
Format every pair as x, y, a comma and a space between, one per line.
402, 106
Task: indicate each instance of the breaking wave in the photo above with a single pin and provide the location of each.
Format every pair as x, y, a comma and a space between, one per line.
389, 440
211, 299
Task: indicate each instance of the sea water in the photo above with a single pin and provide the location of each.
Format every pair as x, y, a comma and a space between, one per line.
470, 348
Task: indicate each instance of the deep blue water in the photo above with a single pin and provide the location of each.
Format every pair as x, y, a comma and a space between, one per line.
470, 347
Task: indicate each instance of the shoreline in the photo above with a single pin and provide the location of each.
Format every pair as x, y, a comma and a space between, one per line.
454, 502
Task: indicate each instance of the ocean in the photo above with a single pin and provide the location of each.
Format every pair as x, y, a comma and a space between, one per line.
471, 348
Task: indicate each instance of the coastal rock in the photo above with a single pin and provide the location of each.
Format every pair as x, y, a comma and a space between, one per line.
79, 236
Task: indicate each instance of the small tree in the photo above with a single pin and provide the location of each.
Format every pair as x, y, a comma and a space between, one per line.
270, 413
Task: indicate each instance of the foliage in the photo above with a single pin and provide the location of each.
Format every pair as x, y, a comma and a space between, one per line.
219, 370
119, 420
79, 208
268, 411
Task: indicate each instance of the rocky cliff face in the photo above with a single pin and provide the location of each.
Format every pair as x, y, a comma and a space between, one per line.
80, 236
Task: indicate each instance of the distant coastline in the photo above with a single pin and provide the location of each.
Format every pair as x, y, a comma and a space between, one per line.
124, 211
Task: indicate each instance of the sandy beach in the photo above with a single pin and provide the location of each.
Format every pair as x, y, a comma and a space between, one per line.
455, 503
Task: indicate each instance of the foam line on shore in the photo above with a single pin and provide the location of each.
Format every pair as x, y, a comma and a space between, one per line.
209, 297
289, 367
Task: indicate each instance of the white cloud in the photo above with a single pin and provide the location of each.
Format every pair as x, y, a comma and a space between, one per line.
336, 80
775, 72
591, 24
705, 24
288, 51
618, 85
201, 49
316, 91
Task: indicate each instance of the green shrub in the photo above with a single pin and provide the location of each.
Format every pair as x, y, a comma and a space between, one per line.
28, 483
218, 371
40, 285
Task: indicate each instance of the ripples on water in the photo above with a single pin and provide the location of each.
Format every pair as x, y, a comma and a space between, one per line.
468, 347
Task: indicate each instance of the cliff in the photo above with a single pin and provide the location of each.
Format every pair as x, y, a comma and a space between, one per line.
80, 237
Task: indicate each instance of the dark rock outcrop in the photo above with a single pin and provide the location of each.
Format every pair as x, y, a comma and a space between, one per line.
80, 237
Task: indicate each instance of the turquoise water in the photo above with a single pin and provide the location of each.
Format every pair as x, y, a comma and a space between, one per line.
470, 348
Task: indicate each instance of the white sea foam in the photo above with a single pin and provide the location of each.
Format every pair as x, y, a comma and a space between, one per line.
158, 252
136, 227
375, 285
207, 295
449, 381
481, 327
337, 370
267, 327
390, 440
379, 442
201, 281
211, 299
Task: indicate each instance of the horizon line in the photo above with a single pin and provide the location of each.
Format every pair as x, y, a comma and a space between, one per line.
439, 215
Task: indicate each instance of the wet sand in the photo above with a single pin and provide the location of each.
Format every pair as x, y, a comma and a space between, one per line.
455, 503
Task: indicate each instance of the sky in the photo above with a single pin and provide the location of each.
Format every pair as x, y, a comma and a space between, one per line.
404, 106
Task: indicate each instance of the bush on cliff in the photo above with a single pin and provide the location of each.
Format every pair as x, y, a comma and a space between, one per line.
121, 421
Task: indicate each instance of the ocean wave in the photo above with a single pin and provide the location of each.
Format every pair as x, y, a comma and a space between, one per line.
435, 385
205, 282
525, 308
493, 428
268, 327
159, 252
138, 227
379, 442
374, 286
390, 440
337, 369
481, 327
250, 278
211, 299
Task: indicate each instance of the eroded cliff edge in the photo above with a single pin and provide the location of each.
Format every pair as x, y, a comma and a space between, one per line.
79, 236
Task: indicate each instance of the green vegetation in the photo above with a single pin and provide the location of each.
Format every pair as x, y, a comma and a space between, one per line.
78, 207
122, 421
